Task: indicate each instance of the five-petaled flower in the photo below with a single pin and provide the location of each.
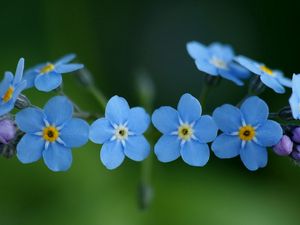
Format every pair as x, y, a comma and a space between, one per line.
48, 76
217, 60
295, 97
274, 79
246, 132
51, 133
121, 133
185, 132
10, 88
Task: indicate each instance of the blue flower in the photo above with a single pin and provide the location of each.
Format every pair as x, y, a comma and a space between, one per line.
11, 87
246, 132
295, 98
51, 133
48, 76
185, 132
274, 79
217, 60
121, 133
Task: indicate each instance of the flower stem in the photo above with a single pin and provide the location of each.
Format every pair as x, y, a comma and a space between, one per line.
204, 94
98, 96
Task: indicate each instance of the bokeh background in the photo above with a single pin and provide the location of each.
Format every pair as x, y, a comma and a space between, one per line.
117, 41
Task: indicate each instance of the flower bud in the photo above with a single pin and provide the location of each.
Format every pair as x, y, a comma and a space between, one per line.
256, 87
296, 135
284, 147
7, 131
295, 155
22, 102
286, 113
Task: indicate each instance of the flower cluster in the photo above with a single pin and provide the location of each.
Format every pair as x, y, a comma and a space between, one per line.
246, 129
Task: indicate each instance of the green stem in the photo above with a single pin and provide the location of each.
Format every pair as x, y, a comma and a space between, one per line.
203, 95
98, 96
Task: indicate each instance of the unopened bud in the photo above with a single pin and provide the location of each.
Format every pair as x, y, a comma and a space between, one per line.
22, 102
256, 87
284, 147
286, 113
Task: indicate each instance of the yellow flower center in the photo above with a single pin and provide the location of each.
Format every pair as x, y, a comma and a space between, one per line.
48, 68
50, 133
8, 94
185, 132
267, 70
247, 133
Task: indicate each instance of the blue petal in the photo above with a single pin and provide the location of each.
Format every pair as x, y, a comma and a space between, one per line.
101, 131
30, 148
272, 83
19, 71
112, 154
137, 148
295, 103
68, 68
58, 110
249, 64
18, 89
189, 108
138, 120
255, 111
296, 84
165, 119
6, 82
269, 133
6, 107
254, 156
229, 75
221, 51
75, 133
194, 153
197, 50
167, 148
117, 110
226, 146
205, 66
228, 118
239, 71
48, 82
57, 157
31, 74
65, 59
205, 129
282, 79
30, 120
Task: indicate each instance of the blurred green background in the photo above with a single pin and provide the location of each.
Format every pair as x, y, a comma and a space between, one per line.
116, 40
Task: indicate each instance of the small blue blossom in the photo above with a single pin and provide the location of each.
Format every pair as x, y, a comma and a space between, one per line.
246, 132
48, 76
11, 87
217, 60
185, 132
295, 98
121, 133
51, 133
273, 79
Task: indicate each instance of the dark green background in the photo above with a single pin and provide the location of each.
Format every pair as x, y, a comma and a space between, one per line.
115, 40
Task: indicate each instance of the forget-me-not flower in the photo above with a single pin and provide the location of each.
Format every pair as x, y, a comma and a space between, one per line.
185, 132
48, 76
11, 87
51, 133
217, 60
121, 133
246, 132
295, 97
273, 79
